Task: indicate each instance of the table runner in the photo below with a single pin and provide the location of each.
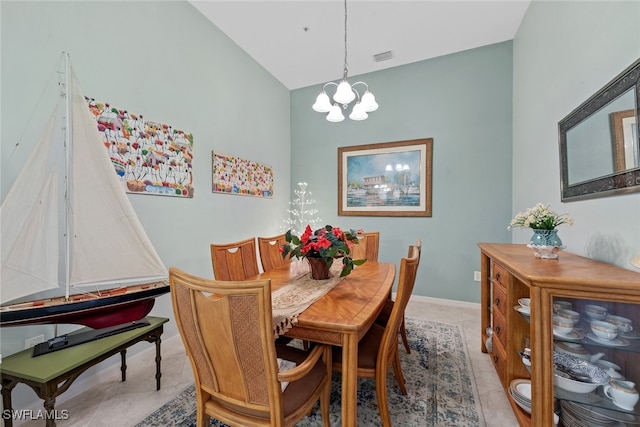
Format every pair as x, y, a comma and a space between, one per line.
295, 297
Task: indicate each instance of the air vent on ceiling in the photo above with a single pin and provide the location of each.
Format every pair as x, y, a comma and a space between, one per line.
383, 56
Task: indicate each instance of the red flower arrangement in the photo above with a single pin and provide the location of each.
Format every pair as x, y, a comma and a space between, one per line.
326, 243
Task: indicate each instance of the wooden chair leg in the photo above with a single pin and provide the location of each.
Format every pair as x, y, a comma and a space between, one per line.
203, 419
397, 369
325, 398
403, 333
325, 404
381, 396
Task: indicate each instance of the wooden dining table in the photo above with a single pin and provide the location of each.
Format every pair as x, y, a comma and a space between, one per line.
341, 317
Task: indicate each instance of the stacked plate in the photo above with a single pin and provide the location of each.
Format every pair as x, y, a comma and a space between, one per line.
520, 390
577, 415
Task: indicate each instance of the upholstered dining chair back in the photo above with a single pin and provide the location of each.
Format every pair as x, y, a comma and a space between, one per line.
234, 261
227, 331
367, 247
270, 255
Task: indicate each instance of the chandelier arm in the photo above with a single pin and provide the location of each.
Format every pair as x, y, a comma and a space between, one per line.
362, 83
355, 91
329, 83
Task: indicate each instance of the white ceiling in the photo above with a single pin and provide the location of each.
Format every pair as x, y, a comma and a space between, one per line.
301, 42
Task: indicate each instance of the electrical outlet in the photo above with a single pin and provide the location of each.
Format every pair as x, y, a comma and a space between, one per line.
28, 343
476, 276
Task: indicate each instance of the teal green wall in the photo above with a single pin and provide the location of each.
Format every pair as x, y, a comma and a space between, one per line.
564, 52
463, 102
165, 60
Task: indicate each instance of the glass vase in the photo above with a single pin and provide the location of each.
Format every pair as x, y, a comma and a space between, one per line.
546, 243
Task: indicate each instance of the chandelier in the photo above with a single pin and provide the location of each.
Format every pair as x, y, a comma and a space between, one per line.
345, 94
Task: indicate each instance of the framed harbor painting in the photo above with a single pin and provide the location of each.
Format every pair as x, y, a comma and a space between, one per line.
386, 179
234, 175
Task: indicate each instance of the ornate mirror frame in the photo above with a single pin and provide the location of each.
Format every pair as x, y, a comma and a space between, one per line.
622, 181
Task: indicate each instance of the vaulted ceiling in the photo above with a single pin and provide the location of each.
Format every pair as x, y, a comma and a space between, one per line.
302, 42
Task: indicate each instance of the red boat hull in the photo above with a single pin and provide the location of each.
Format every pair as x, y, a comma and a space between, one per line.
95, 313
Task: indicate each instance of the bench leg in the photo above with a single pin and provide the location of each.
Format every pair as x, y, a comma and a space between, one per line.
49, 407
7, 387
123, 364
158, 359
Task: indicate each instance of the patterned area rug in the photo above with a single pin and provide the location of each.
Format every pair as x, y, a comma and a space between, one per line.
440, 385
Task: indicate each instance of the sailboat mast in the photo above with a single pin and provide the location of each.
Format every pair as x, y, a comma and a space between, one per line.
68, 148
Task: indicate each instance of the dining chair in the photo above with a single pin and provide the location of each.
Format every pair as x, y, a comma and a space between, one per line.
386, 310
270, 256
378, 348
367, 247
227, 331
235, 261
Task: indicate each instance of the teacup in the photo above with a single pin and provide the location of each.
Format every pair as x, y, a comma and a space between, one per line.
561, 325
562, 305
623, 324
604, 330
622, 393
595, 311
571, 315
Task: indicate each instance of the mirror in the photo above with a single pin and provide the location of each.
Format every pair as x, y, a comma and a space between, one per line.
600, 142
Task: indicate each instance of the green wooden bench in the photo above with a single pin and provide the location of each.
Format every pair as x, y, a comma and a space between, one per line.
52, 374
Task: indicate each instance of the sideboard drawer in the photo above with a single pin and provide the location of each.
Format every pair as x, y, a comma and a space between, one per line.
500, 328
499, 359
500, 275
500, 299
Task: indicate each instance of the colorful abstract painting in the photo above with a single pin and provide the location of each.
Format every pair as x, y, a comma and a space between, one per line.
233, 175
149, 157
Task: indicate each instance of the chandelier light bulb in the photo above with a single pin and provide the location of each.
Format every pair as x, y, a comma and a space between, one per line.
335, 114
358, 112
322, 104
369, 102
344, 94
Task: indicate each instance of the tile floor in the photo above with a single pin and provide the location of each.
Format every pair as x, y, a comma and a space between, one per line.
113, 403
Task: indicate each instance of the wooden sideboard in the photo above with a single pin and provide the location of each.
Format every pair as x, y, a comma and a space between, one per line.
510, 272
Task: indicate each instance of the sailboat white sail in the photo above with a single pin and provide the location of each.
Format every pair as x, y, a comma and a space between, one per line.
93, 237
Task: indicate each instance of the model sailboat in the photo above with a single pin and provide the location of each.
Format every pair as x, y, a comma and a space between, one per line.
72, 231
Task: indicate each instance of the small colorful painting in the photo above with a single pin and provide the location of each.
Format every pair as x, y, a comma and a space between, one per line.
233, 175
149, 157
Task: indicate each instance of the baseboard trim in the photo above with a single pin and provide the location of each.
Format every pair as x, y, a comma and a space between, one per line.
442, 301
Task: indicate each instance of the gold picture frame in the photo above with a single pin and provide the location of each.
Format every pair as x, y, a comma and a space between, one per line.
386, 179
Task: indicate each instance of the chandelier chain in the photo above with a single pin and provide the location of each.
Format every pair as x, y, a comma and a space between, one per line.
345, 39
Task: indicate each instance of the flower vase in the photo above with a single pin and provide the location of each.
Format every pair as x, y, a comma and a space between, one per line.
319, 268
545, 243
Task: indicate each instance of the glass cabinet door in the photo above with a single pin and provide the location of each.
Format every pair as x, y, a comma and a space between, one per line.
596, 361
